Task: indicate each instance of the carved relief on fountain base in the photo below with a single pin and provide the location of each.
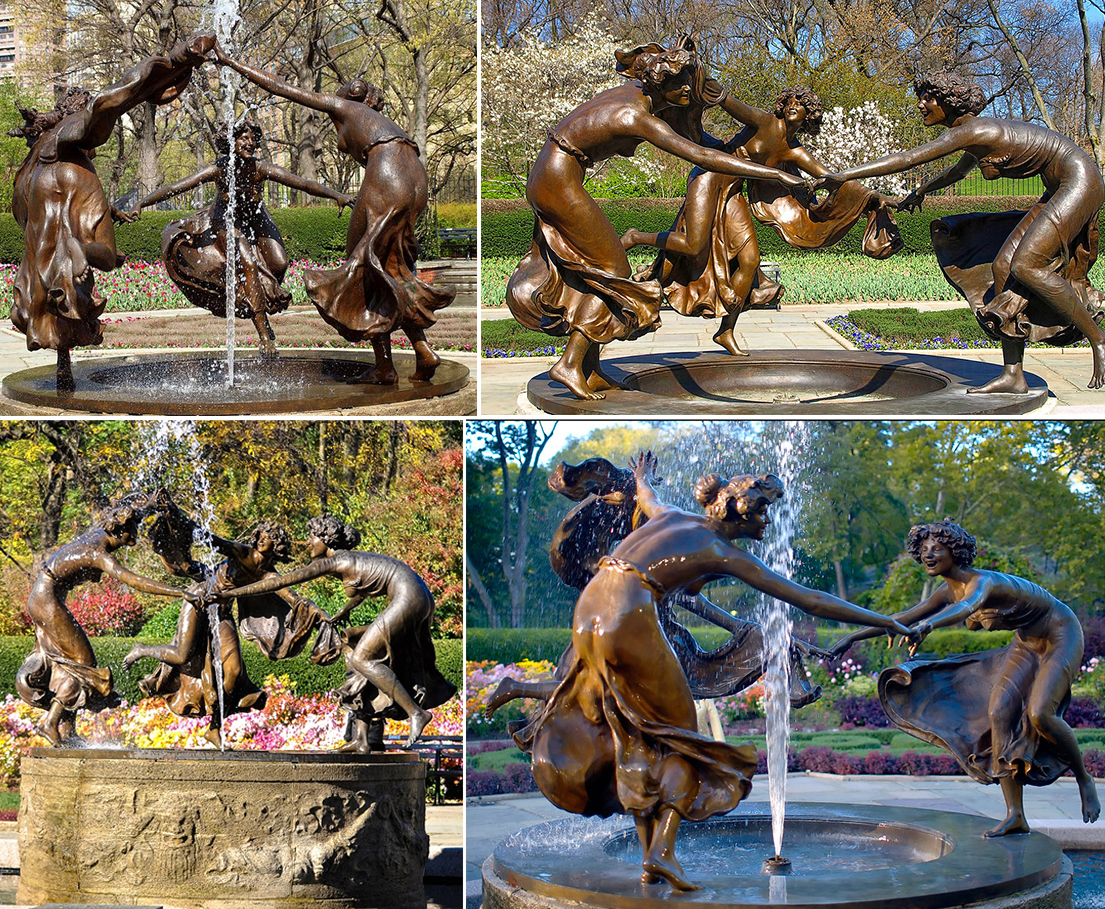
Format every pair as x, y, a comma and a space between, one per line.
223, 830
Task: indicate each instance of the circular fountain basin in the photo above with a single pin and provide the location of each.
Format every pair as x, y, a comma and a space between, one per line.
222, 830
891, 858
194, 384
809, 383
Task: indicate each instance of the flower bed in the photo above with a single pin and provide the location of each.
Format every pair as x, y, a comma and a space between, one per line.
289, 722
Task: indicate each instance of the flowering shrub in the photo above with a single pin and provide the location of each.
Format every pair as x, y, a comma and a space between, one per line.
744, 705
289, 722
862, 711
109, 608
852, 137
481, 679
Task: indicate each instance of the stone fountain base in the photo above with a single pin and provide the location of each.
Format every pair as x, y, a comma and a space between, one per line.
862, 858
793, 383
230, 830
194, 384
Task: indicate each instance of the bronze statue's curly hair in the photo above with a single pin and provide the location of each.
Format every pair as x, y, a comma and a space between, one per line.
118, 513
223, 147
281, 542
35, 122
733, 499
807, 97
954, 93
652, 63
960, 543
363, 91
334, 532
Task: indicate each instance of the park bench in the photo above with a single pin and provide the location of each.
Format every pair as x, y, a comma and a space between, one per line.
457, 242
438, 749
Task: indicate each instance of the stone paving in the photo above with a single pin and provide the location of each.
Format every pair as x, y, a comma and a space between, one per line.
1066, 370
1053, 810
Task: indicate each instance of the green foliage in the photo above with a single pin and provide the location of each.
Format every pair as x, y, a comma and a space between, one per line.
906, 326
508, 230
309, 679
506, 334
162, 625
456, 214
510, 645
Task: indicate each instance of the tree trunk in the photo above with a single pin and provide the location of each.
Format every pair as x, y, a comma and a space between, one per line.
145, 140
481, 590
841, 586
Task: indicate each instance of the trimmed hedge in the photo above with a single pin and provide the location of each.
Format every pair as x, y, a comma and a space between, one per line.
309, 679
508, 230
510, 645
316, 233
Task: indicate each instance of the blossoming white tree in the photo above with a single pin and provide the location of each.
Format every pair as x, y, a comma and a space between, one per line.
851, 137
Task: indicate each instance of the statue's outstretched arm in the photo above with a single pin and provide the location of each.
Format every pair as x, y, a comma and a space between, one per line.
207, 174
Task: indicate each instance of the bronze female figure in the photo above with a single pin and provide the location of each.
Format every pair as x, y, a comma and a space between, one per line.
1000, 712
618, 735
188, 676
1024, 273
61, 675
194, 249
61, 207
709, 262
391, 663
377, 290
576, 279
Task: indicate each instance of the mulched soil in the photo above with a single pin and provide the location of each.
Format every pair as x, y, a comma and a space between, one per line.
298, 327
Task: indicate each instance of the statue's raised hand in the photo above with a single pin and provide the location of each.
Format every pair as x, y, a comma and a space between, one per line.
644, 464
912, 202
346, 201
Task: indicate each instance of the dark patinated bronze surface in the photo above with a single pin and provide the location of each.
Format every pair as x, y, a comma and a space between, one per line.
930, 859
376, 291
193, 384
1027, 276
793, 383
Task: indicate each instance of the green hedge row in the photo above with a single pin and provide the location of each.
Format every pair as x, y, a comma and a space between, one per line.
316, 233
309, 679
508, 233
510, 645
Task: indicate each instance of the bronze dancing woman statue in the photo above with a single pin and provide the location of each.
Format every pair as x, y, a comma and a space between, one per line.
999, 712
61, 675
391, 662
709, 262
60, 204
1025, 274
605, 513
377, 290
194, 250
618, 735
188, 676
576, 279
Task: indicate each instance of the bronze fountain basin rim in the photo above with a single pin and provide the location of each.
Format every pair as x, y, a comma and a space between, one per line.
314, 391
975, 868
943, 382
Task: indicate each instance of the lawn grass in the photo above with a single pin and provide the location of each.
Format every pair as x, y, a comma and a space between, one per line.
809, 277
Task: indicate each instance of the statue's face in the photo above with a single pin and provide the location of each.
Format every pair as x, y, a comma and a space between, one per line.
794, 112
756, 522
316, 547
931, 110
676, 88
936, 557
245, 146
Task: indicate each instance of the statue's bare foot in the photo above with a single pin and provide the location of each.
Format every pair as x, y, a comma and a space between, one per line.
1010, 382
1014, 823
418, 723
427, 366
670, 870
504, 692
576, 384
1098, 378
728, 340
354, 747
214, 736
48, 732
268, 352
601, 381
378, 375
647, 877
1091, 805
